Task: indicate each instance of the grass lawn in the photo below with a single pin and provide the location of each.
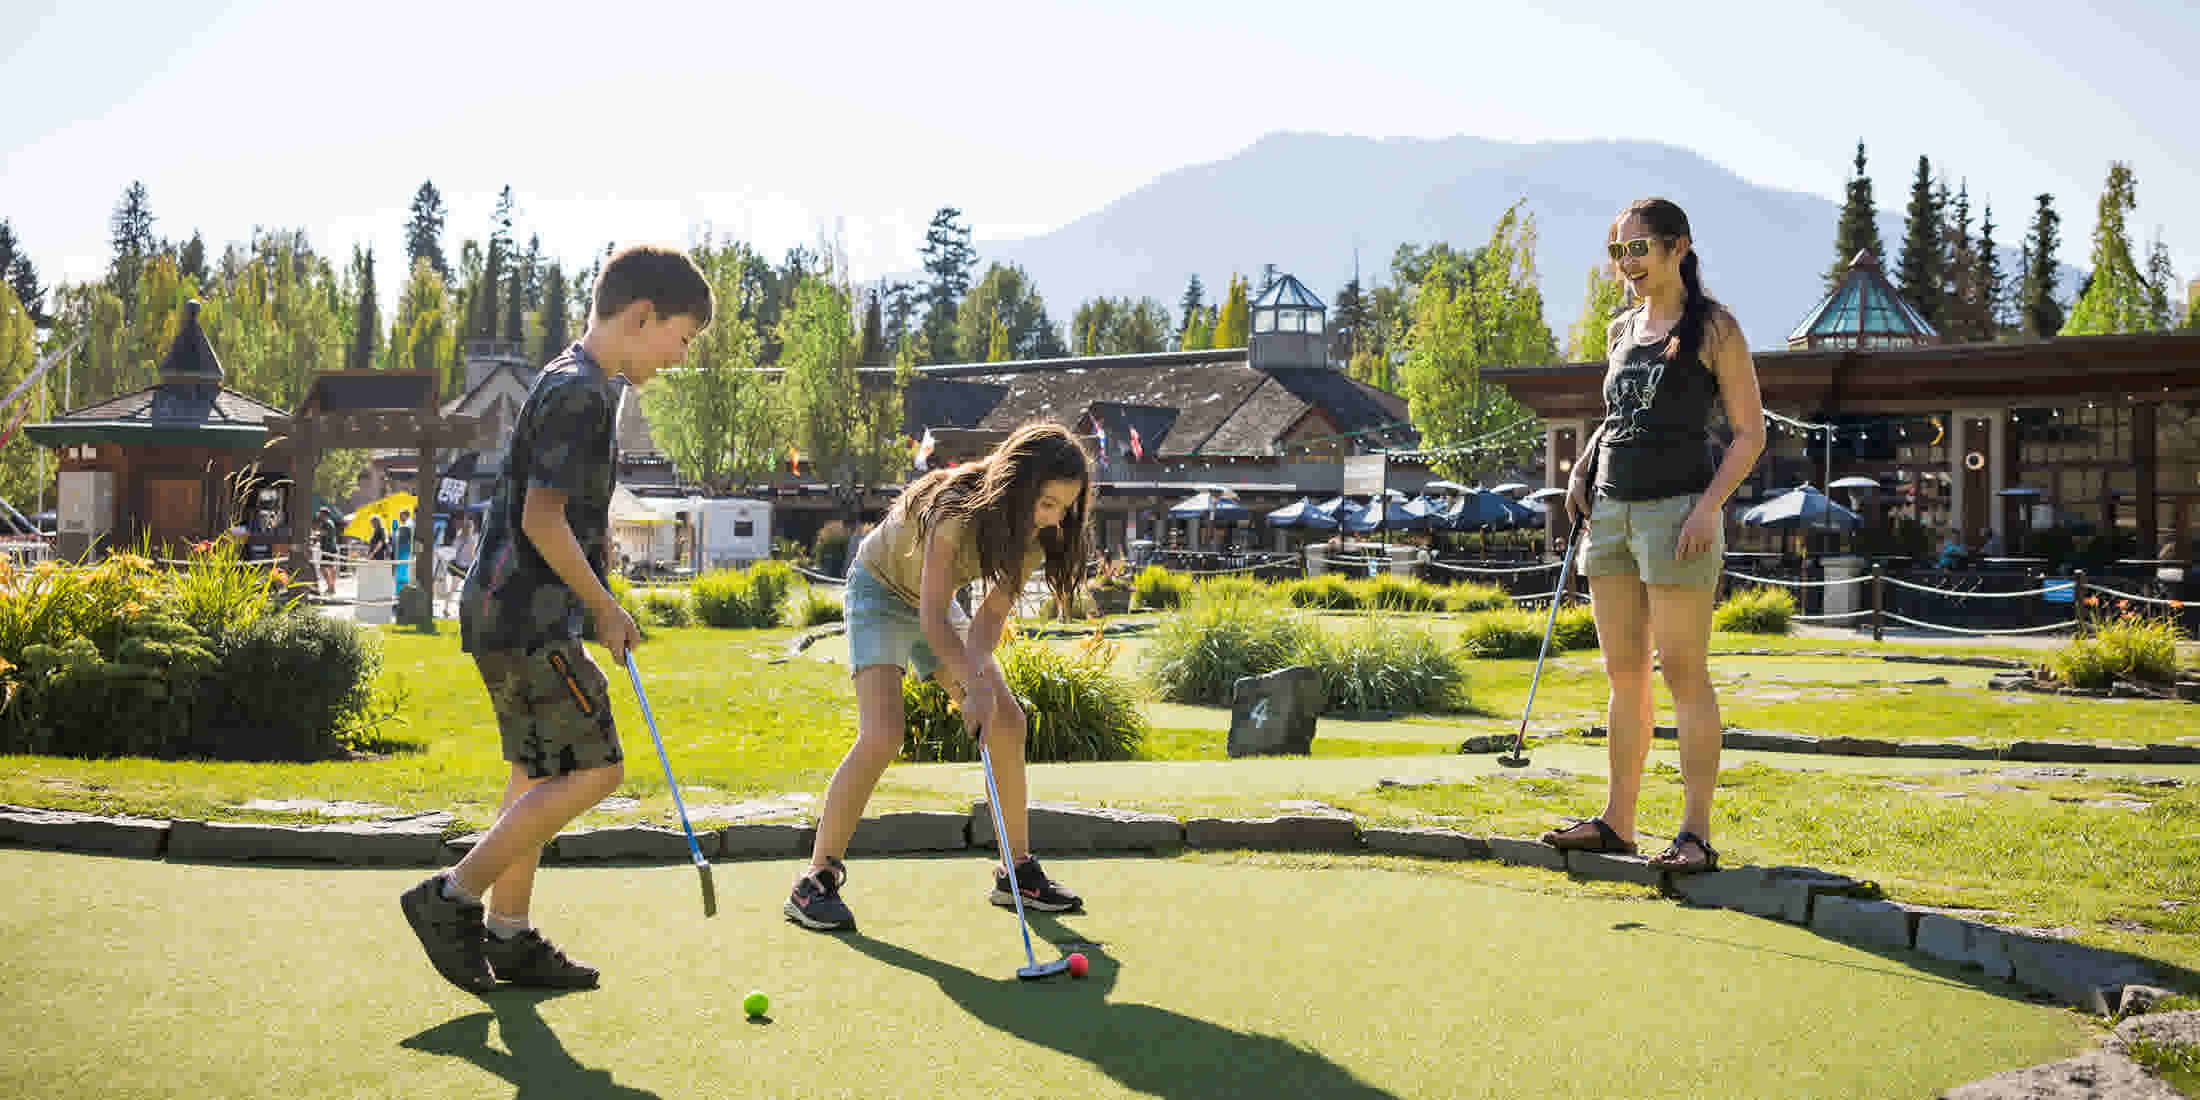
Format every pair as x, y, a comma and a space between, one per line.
1467, 981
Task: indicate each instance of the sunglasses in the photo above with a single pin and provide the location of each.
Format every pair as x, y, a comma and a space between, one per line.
1638, 248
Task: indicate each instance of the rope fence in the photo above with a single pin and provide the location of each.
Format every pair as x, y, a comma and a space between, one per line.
2063, 625
1450, 568
2105, 590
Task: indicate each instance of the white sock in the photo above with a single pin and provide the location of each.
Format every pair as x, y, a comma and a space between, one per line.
452, 891
504, 928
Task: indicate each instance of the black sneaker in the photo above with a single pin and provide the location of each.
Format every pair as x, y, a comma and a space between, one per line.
529, 959
451, 932
1040, 892
816, 902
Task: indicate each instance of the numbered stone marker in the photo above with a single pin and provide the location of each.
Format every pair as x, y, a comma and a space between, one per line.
1274, 714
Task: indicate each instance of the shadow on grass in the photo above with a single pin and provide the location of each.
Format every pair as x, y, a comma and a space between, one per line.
537, 1063
1149, 1050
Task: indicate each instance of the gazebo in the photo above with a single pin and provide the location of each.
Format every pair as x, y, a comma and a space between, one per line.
174, 463
1865, 311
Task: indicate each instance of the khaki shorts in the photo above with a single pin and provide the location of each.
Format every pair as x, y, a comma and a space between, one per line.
1637, 538
553, 708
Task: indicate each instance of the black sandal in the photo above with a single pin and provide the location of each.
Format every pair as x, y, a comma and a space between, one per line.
1673, 859
1607, 841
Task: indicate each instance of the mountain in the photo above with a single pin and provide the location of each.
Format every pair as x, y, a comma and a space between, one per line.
1303, 201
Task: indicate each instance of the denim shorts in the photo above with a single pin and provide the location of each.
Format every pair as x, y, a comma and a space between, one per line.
1638, 538
883, 628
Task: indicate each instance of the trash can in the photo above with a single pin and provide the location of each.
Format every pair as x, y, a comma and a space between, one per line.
377, 588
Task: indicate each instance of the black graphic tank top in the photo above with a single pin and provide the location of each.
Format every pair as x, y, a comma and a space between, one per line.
1657, 420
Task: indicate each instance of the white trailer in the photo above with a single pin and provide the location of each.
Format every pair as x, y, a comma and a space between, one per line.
732, 531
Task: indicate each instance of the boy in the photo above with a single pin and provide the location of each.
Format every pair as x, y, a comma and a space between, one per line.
539, 572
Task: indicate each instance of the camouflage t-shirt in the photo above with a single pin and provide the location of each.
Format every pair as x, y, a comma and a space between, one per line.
565, 439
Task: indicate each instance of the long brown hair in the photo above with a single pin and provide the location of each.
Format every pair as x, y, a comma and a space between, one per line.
995, 497
1666, 220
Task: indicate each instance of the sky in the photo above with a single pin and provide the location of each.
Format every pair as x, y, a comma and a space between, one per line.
788, 123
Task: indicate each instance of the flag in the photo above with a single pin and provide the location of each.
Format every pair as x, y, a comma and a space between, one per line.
1138, 446
924, 449
1102, 431
794, 460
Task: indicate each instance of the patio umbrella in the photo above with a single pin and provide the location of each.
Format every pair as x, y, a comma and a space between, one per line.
1443, 487
1481, 509
1510, 487
1302, 513
1392, 516
1210, 507
1804, 508
1855, 483
2020, 491
1340, 509
358, 526
1547, 493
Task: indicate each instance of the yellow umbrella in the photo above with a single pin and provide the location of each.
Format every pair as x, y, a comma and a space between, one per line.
387, 508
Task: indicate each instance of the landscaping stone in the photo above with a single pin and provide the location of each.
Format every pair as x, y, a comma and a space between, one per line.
1943, 750
1856, 746
1784, 892
2177, 1029
1273, 714
1487, 742
912, 831
2173, 754
127, 836
1878, 923
406, 842
1297, 833
2077, 752
2089, 977
645, 843
1389, 781
1769, 741
318, 806
1952, 939
1423, 840
1057, 827
1606, 867
1936, 659
765, 840
2096, 1076
748, 810
1522, 852
2141, 998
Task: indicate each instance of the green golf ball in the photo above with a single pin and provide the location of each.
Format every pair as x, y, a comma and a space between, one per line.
756, 1003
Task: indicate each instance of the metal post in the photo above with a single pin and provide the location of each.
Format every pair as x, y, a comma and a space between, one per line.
1879, 606
2077, 599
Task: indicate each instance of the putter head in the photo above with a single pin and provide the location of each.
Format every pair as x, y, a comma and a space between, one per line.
1511, 760
710, 889
1037, 971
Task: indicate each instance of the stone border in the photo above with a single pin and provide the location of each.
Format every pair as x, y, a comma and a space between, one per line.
1832, 905
2031, 752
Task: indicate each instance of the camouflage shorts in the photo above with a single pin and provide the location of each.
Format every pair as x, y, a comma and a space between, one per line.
553, 708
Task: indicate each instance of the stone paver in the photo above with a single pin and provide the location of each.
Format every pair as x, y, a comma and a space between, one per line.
144, 837
911, 831
1525, 852
414, 842
765, 840
1294, 832
647, 843
1425, 840
1951, 939
1858, 920
1606, 867
1783, 892
1056, 827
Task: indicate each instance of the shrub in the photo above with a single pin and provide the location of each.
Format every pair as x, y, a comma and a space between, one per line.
1475, 596
1576, 628
1328, 592
669, 608
1503, 634
622, 590
1232, 586
1755, 611
744, 598
816, 608
1158, 588
1198, 653
2131, 647
293, 686
1379, 667
216, 592
1078, 709
831, 548
1391, 592
74, 698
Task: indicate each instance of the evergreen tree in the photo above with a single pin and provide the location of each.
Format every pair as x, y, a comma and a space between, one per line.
1199, 332
873, 351
900, 307
532, 266
2115, 297
1859, 226
1988, 282
130, 231
1348, 322
948, 261
366, 323
515, 307
1234, 321
1194, 299
21, 275
1918, 274
191, 260
425, 336
424, 231
1969, 319
2042, 313
2161, 284
556, 300
1005, 296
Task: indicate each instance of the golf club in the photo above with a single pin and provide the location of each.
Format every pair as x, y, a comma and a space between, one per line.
1518, 757
702, 866
1035, 969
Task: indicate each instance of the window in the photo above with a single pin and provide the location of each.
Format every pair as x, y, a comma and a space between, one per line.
744, 528
1291, 320
1313, 322
1264, 320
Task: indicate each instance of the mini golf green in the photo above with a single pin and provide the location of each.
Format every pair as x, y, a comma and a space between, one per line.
1211, 977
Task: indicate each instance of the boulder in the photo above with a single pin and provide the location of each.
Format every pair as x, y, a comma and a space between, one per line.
1274, 714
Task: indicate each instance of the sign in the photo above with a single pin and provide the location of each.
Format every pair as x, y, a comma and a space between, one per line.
1365, 475
450, 490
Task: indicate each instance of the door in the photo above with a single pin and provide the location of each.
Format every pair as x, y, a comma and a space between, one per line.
175, 509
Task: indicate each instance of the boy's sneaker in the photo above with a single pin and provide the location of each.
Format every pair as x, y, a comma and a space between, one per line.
1040, 892
816, 902
452, 932
529, 959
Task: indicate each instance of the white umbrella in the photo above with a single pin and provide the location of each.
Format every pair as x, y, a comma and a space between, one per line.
1855, 483
1546, 493
1509, 487
1443, 487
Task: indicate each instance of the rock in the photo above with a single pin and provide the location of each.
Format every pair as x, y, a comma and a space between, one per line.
2096, 1076
1422, 840
2077, 752
1487, 742
401, 843
128, 836
1522, 852
2142, 998
1855, 746
1298, 833
2089, 977
913, 831
1877, 923
1389, 782
318, 806
1769, 741
1784, 892
1943, 750
1057, 827
1925, 680
640, 843
765, 840
2173, 1029
2173, 754
1274, 714
1952, 939
1607, 867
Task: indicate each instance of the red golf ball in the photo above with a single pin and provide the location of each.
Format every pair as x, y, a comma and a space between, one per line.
1077, 964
